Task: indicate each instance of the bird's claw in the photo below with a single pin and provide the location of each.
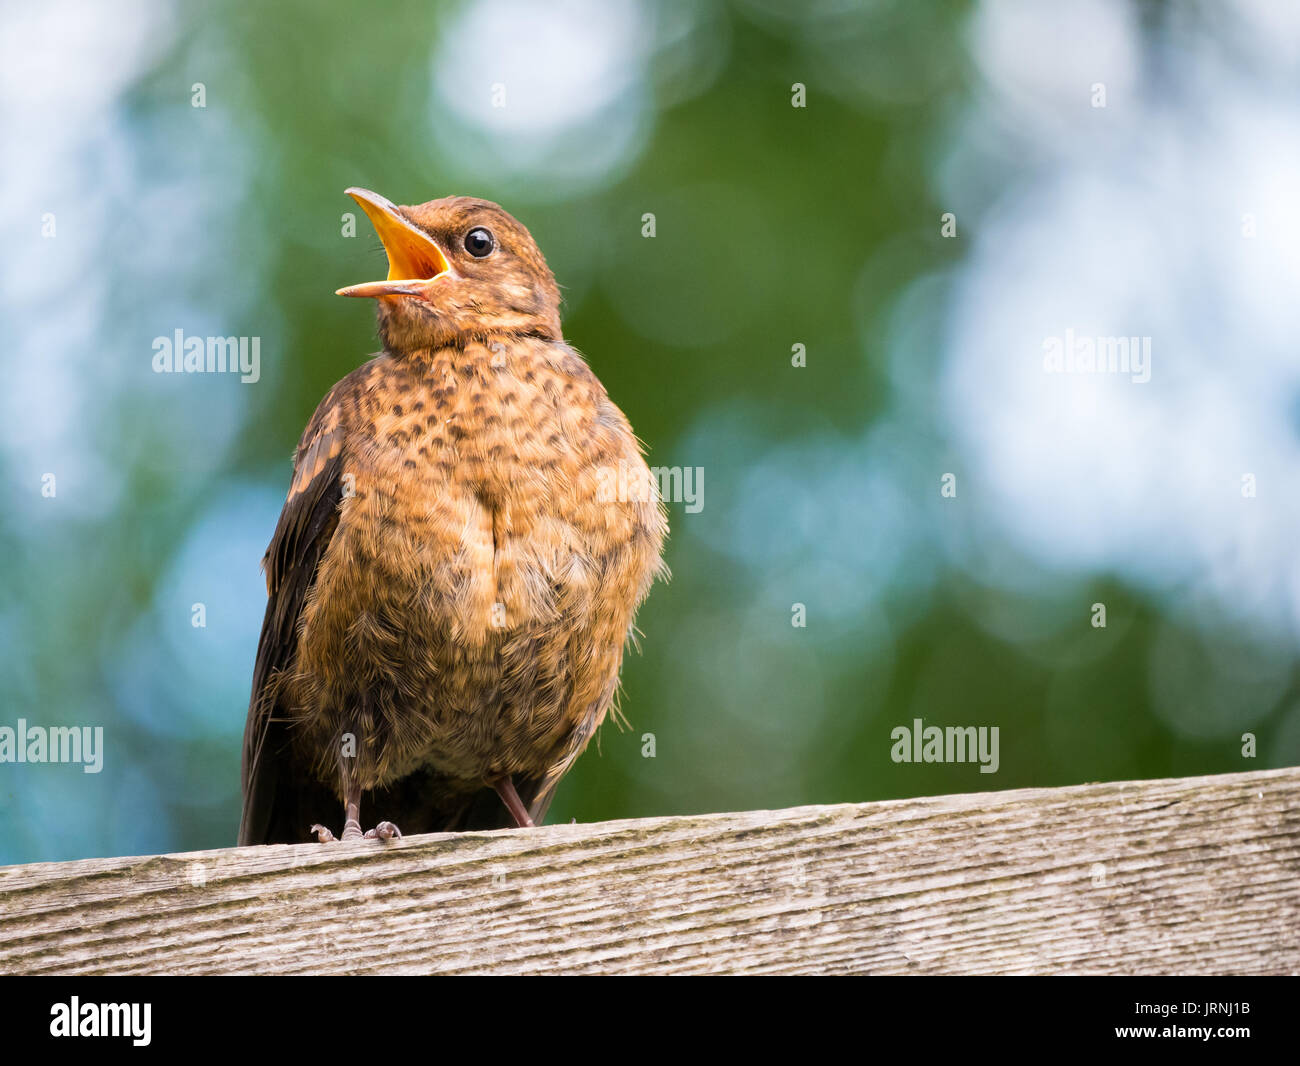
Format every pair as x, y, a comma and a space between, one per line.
352, 831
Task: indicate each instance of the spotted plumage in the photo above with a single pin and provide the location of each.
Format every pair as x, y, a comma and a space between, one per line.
454, 577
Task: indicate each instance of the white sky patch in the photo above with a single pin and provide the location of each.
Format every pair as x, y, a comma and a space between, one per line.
121, 267
1043, 59
1131, 225
62, 68
571, 79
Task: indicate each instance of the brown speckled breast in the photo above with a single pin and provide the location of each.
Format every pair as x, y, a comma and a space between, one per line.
470, 612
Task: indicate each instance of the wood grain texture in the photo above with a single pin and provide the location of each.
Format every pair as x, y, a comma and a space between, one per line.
1196, 875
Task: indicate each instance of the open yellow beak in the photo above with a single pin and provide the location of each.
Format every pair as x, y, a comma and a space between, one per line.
414, 259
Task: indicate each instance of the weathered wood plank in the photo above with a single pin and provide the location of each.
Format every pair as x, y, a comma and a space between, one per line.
1197, 875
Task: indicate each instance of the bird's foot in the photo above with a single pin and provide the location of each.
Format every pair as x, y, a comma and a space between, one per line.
352, 831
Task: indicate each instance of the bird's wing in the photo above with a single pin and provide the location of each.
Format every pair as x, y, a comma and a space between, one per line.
306, 525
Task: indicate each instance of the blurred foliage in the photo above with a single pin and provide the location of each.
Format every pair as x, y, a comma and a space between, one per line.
776, 225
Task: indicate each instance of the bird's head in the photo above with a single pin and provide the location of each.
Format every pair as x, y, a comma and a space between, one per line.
458, 269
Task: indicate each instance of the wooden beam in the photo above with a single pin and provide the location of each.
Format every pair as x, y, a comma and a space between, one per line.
1196, 875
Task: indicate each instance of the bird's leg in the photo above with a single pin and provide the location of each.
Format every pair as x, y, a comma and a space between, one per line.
352, 822
505, 788
352, 805
351, 814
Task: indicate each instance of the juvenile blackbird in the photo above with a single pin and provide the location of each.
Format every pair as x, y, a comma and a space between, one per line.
469, 531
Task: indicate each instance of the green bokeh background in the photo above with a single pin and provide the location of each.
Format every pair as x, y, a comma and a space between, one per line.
775, 226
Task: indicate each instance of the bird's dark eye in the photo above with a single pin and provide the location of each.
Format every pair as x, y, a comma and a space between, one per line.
479, 242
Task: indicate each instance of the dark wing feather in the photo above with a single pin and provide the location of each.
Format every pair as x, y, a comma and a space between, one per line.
272, 795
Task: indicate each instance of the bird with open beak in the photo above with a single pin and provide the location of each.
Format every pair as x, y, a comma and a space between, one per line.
468, 533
